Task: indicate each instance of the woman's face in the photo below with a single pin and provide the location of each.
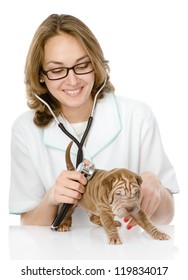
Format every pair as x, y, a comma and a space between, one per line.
73, 91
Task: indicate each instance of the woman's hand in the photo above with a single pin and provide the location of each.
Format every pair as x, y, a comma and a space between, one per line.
151, 191
151, 195
68, 188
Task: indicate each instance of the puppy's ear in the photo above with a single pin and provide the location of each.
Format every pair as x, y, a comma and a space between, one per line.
109, 178
111, 196
107, 182
139, 180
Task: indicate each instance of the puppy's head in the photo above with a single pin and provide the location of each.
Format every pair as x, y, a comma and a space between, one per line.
124, 189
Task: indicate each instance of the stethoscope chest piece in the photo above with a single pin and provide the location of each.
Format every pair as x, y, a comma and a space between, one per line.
87, 170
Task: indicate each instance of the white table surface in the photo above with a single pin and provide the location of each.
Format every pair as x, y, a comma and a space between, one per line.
88, 241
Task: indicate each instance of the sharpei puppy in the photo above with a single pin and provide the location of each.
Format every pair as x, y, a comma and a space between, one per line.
108, 194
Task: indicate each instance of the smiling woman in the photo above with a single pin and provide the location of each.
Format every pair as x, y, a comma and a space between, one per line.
66, 69
71, 89
66, 43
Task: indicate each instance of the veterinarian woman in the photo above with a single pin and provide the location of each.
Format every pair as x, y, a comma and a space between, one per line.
66, 69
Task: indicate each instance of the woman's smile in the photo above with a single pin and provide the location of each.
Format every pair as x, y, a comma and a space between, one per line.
73, 93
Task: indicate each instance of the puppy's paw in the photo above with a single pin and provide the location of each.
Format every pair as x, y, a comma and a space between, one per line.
161, 236
118, 224
64, 228
115, 241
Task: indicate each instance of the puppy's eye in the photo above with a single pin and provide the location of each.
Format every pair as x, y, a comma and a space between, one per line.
136, 193
118, 193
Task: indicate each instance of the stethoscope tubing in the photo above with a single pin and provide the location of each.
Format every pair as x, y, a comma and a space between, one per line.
65, 207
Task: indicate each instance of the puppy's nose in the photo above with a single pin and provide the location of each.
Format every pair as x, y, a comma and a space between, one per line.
129, 209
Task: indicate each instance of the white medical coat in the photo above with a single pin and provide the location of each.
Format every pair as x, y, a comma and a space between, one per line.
124, 133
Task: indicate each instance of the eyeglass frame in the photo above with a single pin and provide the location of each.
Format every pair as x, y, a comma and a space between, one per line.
68, 69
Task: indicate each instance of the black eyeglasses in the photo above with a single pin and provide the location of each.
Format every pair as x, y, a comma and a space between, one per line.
62, 72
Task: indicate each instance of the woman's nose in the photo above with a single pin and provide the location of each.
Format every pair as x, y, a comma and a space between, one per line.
72, 78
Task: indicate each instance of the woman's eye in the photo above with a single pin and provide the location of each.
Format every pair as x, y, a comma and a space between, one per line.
82, 66
57, 71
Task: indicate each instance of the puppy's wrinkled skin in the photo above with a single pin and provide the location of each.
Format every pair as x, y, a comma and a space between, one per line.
112, 193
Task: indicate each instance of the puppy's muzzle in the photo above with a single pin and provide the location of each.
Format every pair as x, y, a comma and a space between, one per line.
130, 209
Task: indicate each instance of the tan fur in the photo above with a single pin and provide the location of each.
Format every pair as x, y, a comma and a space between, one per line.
112, 193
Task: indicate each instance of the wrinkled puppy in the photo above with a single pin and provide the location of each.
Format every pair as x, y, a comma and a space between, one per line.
108, 194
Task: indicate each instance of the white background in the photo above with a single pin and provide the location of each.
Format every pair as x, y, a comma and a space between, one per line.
146, 43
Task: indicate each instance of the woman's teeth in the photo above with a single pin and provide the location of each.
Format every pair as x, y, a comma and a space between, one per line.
72, 92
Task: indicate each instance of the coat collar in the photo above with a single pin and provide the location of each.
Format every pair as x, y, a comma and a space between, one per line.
105, 128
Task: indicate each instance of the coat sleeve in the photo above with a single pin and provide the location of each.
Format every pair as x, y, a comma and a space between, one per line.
26, 189
152, 155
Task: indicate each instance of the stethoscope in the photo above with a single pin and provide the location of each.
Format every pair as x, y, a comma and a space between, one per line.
80, 144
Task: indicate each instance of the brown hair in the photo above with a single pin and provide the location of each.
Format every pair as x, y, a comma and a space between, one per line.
54, 25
